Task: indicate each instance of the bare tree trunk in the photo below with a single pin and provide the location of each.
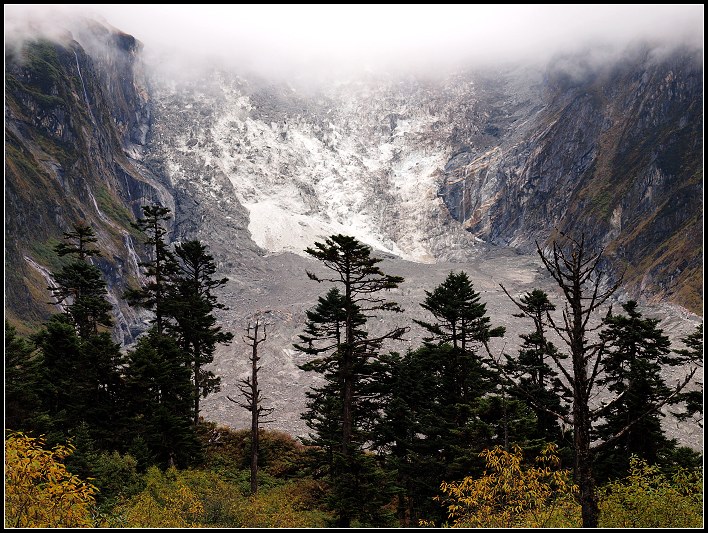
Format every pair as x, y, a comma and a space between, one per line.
583, 462
575, 271
250, 391
254, 412
197, 368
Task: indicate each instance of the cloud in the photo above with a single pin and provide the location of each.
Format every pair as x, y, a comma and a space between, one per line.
320, 39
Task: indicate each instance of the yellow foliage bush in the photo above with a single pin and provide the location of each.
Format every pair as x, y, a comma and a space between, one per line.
510, 495
39, 491
200, 498
646, 498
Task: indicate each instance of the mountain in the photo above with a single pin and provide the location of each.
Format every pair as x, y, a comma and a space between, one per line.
465, 171
613, 151
73, 117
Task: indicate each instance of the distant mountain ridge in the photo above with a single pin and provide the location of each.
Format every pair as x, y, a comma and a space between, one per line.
405, 164
460, 173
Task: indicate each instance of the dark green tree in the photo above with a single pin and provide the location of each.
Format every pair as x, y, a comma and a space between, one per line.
61, 388
537, 382
692, 399
80, 382
192, 303
159, 393
103, 389
461, 331
461, 321
82, 370
22, 379
577, 272
80, 287
160, 270
409, 434
342, 349
163, 392
321, 340
636, 350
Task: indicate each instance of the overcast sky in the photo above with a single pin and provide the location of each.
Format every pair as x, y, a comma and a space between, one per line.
288, 37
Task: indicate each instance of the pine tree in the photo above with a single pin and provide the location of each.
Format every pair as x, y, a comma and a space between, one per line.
80, 286
192, 303
61, 389
692, 399
636, 350
160, 371
576, 271
81, 374
408, 433
537, 380
159, 393
160, 270
336, 336
462, 322
460, 331
22, 379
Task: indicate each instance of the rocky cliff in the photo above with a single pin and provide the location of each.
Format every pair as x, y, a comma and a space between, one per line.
75, 116
613, 151
437, 174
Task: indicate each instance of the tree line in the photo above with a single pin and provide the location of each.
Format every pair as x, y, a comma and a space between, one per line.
392, 427
71, 379
386, 428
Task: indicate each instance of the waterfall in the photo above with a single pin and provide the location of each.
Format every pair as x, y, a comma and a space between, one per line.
133, 256
47, 277
464, 193
121, 332
100, 213
83, 86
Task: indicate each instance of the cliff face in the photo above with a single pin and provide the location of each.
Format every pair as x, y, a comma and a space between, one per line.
420, 169
424, 170
73, 125
615, 153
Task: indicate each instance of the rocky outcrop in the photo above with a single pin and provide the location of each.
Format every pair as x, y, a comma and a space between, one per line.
74, 125
424, 170
615, 152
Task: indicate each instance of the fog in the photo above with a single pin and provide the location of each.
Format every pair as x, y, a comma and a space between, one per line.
327, 40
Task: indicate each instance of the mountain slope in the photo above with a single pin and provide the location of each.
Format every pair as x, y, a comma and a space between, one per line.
436, 174
615, 153
72, 121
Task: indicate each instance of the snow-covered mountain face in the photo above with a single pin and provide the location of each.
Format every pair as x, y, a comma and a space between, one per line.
436, 174
425, 171
424, 168
361, 158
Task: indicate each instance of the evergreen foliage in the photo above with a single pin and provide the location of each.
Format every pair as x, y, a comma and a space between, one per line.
161, 270
80, 286
342, 412
636, 351
386, 428
192, 304
537, 382
23, 367
458, 335
693, 398
159, 400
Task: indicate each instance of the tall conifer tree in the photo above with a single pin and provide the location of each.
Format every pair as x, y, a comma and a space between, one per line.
636, 350
192, 304
336, 336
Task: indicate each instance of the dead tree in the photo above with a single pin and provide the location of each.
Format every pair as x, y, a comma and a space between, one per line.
252, 395
577, 273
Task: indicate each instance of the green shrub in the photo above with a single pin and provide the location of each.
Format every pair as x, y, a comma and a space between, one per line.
199, 498
647, 498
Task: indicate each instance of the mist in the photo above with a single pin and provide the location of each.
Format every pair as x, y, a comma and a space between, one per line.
290, 41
